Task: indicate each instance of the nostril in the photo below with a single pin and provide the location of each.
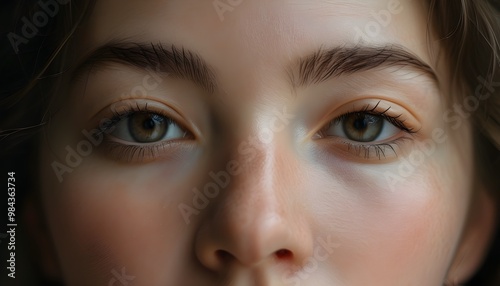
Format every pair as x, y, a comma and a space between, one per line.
223, 255
284, 254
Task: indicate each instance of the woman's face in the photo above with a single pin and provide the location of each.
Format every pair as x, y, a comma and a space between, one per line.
257, 143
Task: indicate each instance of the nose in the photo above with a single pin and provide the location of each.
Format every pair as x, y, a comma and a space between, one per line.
258, 217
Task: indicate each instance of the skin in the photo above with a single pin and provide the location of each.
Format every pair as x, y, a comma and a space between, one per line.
295, 190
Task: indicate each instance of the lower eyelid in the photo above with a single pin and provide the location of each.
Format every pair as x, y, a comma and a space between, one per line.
367, 151
143, 153
375, 152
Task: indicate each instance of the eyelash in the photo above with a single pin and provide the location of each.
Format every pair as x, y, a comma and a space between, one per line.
137, 152
380, 149
394, 120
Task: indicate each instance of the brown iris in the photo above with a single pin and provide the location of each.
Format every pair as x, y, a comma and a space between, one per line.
147, 127
362, 127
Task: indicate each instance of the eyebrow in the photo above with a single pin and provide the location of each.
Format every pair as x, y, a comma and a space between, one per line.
169, 59
326, 64
317, 67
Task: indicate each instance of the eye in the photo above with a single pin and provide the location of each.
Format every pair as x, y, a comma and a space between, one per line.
362, 127
147, 127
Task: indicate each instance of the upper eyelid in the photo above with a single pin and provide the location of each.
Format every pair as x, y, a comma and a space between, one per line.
394, 120
383, 108
120, 116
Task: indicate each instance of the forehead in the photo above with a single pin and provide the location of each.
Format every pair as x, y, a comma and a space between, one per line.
258, 30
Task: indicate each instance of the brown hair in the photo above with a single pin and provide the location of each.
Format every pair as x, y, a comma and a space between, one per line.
469, 31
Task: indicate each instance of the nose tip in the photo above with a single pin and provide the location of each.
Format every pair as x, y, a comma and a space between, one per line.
249, 244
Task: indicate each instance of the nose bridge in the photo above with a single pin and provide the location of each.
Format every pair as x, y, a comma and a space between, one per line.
259, 165
260, 153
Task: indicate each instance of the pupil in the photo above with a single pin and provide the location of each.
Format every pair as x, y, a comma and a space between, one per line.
152, 121
363, 127
147, 127
361, 123
149, 124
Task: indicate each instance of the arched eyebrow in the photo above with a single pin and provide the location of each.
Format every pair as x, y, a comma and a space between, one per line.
325, 64
160, 58
317, 67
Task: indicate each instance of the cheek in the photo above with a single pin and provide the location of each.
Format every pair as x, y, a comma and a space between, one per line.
404, 234
103, 220
411, 233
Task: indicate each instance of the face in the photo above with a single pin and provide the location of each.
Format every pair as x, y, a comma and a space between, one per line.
256, 143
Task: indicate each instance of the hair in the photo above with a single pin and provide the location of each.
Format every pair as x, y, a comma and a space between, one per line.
468, 30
